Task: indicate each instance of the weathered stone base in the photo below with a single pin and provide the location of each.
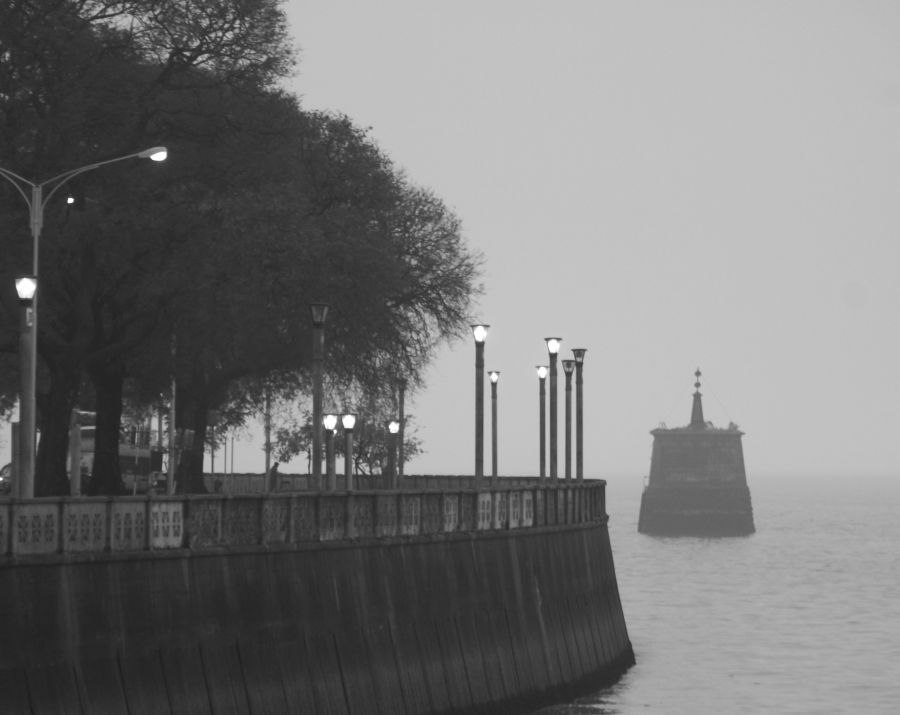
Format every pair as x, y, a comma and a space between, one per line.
501, 622
696, 511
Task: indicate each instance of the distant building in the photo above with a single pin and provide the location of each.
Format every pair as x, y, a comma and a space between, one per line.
697, 484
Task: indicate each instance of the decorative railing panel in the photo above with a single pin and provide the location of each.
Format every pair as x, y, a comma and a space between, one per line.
276, 520
432, 514
485, 510
332, 518
36, 528
166, 524
128, 525
386, 515
451, 512
527, 508
515, 510
468, 509
363, 516
501, 513
84, 526
204, 522
241, 521
410, 512
89, 525
303, 519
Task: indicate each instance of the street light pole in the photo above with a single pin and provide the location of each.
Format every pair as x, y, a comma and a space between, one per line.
401, 458
568, 367
319, 314
393, 429
480, 333
553, 349
495, 377
330, 422
26, 289
579, 413
349, 422
542, 392
36, 197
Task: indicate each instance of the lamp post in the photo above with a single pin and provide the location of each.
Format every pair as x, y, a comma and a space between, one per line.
349, 422
542, 392
579, 413
393, 429
495, 378
401, 458
568, 368
329, 421
26, 289
480, 333
553, 349
319, 314
36, 197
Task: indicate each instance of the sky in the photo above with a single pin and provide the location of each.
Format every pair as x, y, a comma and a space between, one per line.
670, 185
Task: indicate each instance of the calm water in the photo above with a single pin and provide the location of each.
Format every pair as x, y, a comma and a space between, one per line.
801, 617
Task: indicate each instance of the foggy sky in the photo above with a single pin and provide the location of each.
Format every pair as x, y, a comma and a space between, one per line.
667, 184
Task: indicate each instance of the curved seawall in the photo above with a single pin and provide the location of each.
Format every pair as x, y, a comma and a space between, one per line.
507, 609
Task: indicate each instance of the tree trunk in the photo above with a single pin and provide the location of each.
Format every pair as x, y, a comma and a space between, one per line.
191, 408
50, 475
106, 476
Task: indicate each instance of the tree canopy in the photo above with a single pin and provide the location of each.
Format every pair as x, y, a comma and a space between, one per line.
202, 269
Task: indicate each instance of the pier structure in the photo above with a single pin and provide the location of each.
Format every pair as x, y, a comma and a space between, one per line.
437, 597
697, 484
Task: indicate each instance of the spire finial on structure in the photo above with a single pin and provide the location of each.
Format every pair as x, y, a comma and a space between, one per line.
697, 408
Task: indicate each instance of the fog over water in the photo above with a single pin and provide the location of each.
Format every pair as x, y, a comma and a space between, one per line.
801, 617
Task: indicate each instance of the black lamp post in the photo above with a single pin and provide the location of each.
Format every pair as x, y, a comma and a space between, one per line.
495, 378
480, 333
579, 412
349, 422
329, 421
401, 458
542, 392
393, 429
319, 314
26, 289
568, 368
553, 349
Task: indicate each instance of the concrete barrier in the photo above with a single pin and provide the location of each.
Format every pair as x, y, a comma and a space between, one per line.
273, 605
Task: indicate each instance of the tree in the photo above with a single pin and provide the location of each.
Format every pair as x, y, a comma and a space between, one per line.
203, 269
81, 81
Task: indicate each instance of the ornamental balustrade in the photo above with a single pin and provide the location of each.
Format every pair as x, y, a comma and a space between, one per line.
46, 526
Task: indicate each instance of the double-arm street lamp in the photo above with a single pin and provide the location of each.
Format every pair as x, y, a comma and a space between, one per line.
36, 197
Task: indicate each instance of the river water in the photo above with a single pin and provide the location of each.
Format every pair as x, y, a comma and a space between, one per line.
801, 617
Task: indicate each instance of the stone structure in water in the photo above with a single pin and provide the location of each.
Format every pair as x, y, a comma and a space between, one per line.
697, 484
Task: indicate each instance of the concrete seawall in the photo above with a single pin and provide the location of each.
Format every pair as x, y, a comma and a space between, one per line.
496, 619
